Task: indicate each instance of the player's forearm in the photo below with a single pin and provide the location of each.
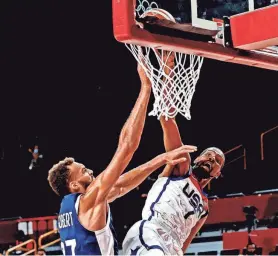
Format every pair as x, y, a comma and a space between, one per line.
133, 128
171, 134
135, 177
130, 135
128, 143
172, 140
186, 244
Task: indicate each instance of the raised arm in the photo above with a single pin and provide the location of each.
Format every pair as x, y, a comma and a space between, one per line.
172, 140
171, 134
129, 140
135, 177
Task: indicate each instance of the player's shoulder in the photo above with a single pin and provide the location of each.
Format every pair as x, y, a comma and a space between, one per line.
71, 196
183, 177
162, 179
70, 199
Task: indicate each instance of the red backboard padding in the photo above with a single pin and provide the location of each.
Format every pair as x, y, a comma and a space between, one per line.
255, 30
126, 31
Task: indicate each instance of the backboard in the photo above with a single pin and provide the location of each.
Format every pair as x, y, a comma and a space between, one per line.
238, 31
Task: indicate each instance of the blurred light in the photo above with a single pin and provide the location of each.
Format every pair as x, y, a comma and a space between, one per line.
213, 197
235, 195
268, 191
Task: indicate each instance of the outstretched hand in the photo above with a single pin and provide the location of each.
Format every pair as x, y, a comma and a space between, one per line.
177, 156
145, 81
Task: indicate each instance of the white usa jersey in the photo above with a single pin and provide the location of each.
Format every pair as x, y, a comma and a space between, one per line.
173, 207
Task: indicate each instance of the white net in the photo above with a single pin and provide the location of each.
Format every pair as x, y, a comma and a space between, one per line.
173, 75
143, 6
173, 85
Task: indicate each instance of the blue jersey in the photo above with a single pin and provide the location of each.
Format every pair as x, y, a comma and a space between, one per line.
77, 240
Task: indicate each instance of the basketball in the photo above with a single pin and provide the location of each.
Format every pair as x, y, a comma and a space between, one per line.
168, 57
158, 13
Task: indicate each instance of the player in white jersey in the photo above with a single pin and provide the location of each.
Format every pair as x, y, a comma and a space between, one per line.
176, 207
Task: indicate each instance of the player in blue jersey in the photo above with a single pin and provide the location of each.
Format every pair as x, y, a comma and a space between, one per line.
85, 222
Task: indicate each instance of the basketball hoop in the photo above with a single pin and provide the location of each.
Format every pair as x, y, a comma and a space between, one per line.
173, 85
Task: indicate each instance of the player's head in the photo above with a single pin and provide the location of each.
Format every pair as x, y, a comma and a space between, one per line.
69, 176
209, 163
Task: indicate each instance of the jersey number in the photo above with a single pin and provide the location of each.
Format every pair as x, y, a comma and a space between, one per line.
71, 243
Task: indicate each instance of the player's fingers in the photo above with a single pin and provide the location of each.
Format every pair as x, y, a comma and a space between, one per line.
187, 150
141, 62
181, 152
177, 161
190, 147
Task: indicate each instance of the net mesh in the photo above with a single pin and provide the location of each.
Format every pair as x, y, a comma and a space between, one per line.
173, 75
143, 6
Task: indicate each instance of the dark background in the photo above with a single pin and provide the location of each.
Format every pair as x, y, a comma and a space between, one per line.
68, 86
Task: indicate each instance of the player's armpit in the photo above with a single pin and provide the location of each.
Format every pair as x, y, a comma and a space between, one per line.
193, 233
177, 170
167, 171
98, 190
